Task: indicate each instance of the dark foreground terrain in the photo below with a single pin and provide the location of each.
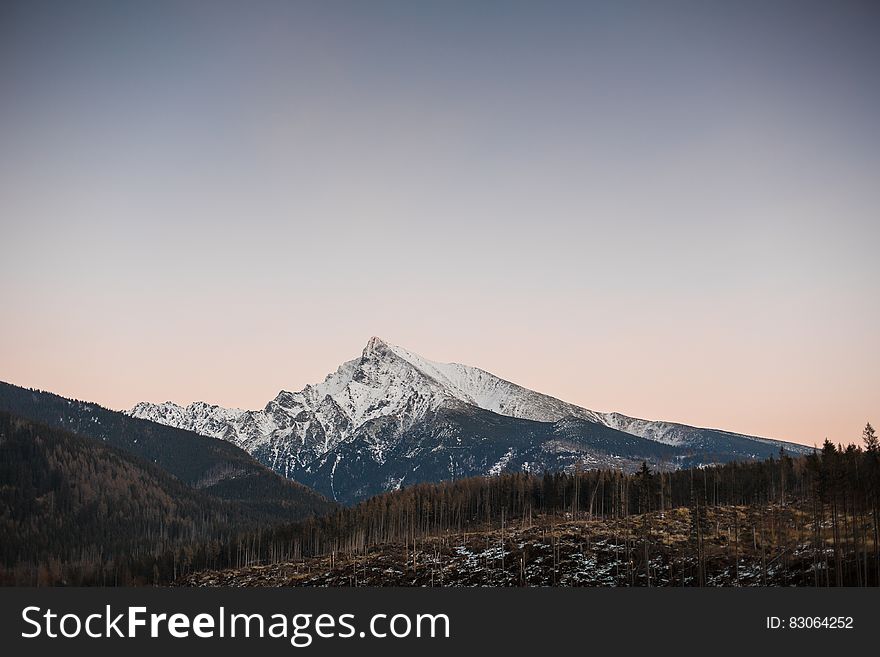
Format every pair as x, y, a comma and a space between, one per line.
724, 546
115, 502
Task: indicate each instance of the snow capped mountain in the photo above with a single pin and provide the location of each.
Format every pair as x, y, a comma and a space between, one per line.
203, 418
296, 427
389, 401
386, 381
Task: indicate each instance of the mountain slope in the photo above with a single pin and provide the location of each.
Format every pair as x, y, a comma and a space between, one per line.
456, 443
387, 417
75, 510
214, 467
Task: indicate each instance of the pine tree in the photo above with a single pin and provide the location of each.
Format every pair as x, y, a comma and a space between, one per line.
869, 436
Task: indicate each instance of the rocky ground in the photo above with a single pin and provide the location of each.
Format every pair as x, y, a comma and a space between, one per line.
741, 546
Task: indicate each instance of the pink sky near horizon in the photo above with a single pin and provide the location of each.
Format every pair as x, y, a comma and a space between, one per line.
670, 213
250, 379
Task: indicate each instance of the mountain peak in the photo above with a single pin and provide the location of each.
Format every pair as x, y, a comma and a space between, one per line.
376, 418
374, 344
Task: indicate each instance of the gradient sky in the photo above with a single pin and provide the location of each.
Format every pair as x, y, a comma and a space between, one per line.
668, 209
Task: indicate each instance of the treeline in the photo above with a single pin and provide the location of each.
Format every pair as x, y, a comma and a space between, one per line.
834, 493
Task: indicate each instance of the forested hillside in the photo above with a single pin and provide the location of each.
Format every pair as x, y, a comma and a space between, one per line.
73, 510
215, 467
810, 520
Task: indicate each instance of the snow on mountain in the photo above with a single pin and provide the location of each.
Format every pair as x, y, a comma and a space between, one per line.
386, 381
200, 417
298, 426
387, 392
663, 432
475, 386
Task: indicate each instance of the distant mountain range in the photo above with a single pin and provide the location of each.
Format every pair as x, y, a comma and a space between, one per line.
390, 418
